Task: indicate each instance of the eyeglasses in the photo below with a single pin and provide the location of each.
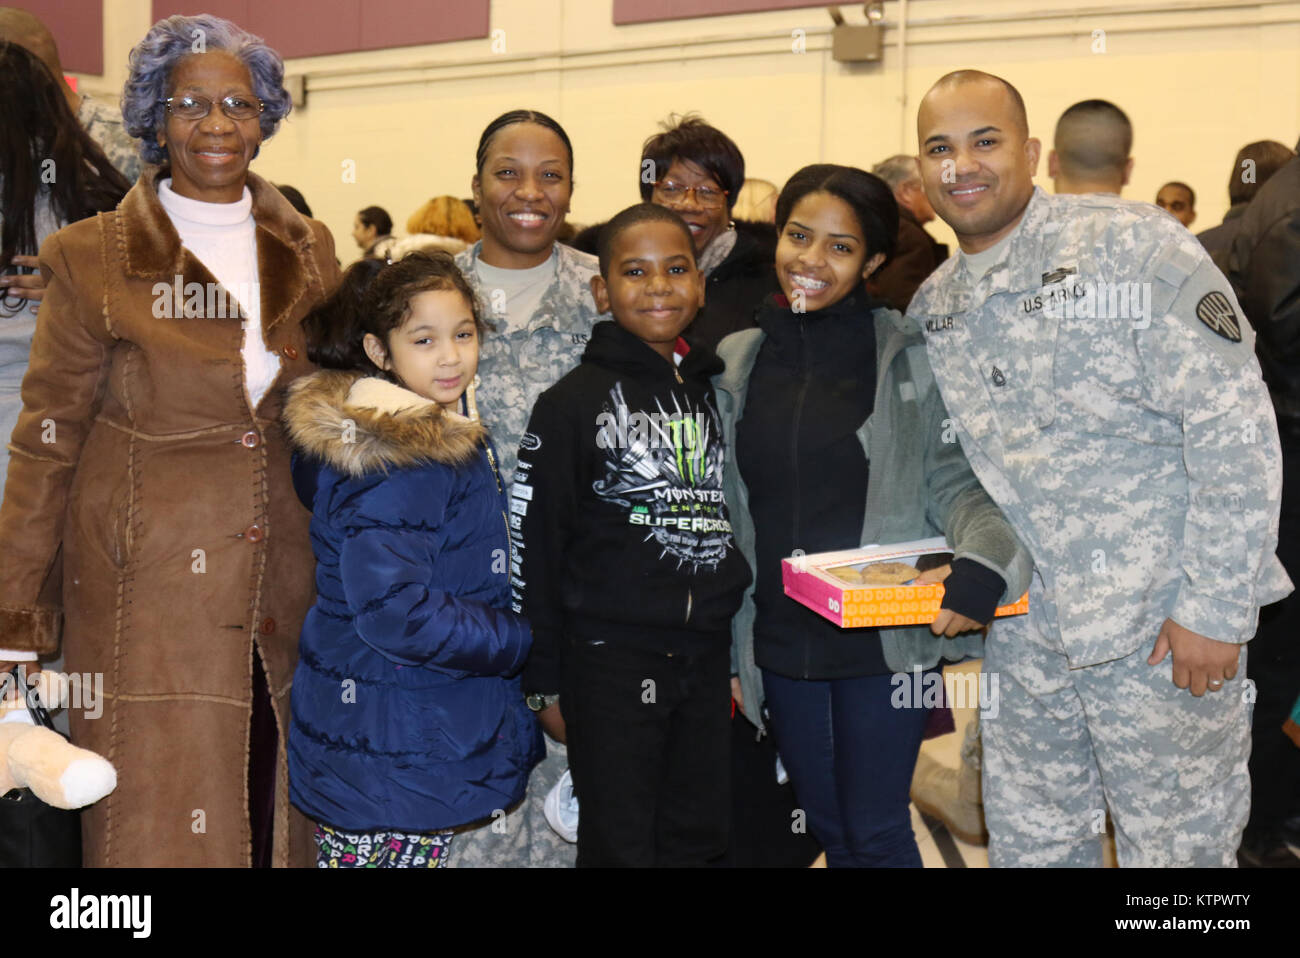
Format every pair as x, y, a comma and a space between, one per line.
676, 194
195, 107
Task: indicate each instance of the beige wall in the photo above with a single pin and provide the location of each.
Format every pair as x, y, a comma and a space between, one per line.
1198, 84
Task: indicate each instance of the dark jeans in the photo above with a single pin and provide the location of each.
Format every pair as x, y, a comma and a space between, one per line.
648, 737
850, 755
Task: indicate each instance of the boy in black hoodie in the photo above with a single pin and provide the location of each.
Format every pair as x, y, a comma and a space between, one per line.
625, 562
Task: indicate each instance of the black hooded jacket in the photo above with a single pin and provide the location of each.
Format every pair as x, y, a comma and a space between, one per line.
618, 518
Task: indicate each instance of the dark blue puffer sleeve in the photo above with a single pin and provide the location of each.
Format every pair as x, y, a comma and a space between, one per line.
387, 572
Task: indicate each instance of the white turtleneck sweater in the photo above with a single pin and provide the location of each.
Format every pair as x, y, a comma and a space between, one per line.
224, 238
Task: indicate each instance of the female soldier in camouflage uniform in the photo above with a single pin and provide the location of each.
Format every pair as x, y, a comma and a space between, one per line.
536, 295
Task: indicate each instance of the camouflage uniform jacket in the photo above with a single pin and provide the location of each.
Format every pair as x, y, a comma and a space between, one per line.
523, 356
1129, 438
104, 124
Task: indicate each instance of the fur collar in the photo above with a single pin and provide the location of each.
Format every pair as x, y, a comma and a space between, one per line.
152, 248
363, 424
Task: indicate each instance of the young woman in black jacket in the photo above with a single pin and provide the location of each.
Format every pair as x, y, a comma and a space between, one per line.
802, 457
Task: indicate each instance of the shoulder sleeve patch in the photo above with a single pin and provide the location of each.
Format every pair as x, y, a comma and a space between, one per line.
1203, 301
1216, 312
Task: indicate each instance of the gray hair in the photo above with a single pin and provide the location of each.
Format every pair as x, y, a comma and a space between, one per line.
171, 40
897, 170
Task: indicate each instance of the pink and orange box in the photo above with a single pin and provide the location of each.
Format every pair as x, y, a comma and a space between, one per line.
850, 606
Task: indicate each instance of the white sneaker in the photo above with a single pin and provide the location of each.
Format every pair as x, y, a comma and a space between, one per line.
561, 808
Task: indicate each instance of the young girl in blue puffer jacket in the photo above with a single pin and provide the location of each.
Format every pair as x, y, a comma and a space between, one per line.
408, 719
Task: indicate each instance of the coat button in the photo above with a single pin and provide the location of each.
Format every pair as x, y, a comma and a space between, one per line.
268, 626
999, 377
250, 439
253, 533
290, 352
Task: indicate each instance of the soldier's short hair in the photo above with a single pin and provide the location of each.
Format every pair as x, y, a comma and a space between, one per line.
1093, 136
961, 77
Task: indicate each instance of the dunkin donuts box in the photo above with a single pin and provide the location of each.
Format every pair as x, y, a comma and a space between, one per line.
876, 585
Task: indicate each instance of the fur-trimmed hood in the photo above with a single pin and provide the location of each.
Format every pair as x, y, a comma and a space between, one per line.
364, 424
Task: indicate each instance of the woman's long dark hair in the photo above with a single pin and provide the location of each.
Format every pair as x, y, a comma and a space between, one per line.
45, 150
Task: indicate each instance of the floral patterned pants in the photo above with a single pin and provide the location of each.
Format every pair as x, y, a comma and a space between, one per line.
339, 849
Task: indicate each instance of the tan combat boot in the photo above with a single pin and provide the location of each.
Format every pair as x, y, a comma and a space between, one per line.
953, 795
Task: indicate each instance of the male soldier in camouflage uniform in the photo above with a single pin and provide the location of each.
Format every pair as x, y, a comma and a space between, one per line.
1105, 390
520, 358
102, 121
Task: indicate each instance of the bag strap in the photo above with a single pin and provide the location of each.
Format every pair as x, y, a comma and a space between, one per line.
37, 711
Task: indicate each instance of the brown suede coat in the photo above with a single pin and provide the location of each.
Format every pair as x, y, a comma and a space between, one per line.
153, 507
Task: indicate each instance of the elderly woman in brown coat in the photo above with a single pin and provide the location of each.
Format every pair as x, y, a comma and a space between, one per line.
149, 504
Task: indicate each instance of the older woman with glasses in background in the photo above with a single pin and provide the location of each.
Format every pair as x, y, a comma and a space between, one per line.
697, 171
149, 503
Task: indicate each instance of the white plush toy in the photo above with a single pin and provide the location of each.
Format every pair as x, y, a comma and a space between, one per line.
57, 772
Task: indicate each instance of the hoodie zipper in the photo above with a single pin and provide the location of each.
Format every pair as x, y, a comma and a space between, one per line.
794, 429
794, 455
690, 598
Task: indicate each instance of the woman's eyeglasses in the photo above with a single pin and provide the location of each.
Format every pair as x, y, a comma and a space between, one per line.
675, 194
192, 106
